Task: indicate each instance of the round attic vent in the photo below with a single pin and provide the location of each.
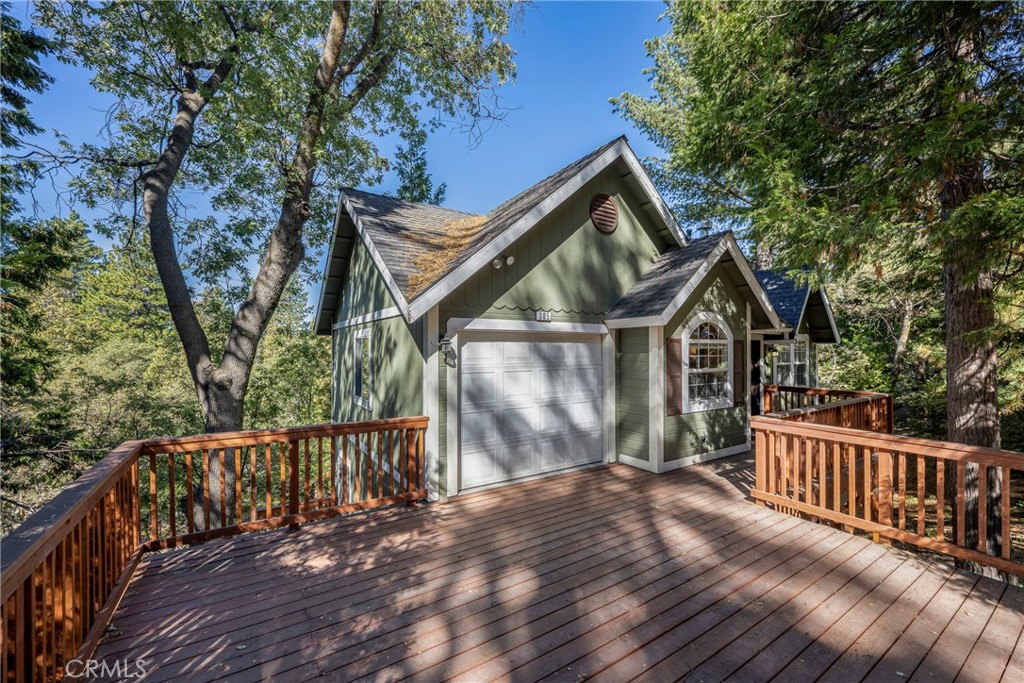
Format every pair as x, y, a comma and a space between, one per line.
604, 213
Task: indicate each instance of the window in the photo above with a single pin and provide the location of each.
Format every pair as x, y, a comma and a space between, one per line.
791, 363
362, 367
707, 363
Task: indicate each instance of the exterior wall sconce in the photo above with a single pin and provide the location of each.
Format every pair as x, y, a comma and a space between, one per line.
444, 345
496, 263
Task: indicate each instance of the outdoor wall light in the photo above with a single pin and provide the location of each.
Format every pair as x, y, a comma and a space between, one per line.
496, 263
444, 345
510, 260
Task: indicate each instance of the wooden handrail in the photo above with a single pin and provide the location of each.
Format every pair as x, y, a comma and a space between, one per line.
884, 484
66, 568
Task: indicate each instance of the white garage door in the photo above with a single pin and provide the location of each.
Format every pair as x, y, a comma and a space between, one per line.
528, 406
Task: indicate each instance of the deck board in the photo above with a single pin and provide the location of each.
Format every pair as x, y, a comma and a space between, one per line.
609, 572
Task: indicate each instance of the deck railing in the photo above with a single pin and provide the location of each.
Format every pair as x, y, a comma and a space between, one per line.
855, 409
65, 569
835, 462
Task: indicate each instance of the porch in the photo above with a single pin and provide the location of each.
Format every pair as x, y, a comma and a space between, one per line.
609, 572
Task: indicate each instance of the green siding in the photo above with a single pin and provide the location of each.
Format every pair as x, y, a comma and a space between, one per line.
442, 426
365, 290
692, 434
565, 265
396, 388
632, 411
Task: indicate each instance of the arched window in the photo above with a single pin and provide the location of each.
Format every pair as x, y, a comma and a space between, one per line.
707, 363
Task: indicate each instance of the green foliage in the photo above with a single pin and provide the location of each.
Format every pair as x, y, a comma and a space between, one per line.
876, 140
445, 59
415, 183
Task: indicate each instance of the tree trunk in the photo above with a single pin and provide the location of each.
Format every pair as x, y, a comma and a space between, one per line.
896, 375
972, 364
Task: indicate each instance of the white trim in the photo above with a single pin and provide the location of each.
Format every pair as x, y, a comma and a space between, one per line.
652, 193
453, 447
620, 149
636, 462
492, 329
357, 366
608, 402
382, 314
375, 256
431, 403
327, 264
728, 243
747, 400
656, 396
705, 457
455, 325
730, 399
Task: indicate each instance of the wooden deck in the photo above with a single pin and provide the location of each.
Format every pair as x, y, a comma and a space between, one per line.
609, 573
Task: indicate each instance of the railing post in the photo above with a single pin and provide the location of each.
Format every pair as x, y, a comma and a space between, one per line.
293, 481
760, 461
767, 402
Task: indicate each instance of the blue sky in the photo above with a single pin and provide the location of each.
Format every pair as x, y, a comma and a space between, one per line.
571, 57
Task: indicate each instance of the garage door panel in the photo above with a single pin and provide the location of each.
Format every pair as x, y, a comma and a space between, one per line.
586, 382
517, 385
554, 453
516, 422
479, 387
554, 417
528, 407
479, 427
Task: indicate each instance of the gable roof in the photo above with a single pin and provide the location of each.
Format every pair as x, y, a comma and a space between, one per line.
399, 235
796, 302
661, 291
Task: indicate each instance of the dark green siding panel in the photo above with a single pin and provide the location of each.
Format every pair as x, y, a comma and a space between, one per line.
632, 413
365, 290
397, 383
692, 434
565, 265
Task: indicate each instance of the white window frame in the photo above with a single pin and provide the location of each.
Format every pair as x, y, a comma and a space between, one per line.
358, 379
701, 405
800, 340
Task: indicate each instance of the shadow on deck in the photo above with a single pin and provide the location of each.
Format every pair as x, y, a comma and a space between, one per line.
611, 573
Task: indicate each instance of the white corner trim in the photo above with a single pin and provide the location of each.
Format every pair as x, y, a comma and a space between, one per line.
378, 261
636, 462
382, 314
706, 457
656, 396
431, 404
747, 370
694, 322
455, 325
453, 446
608, 397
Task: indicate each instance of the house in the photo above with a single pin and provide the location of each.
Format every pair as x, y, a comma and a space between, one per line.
573, 324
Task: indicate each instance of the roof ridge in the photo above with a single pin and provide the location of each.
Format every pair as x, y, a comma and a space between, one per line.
399, 200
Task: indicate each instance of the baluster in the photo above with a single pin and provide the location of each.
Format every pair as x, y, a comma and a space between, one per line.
982, 508
238, 484
221, 454
903, 489
268, 512
282, 459
252, 482
189, 486
320, 472
309, 460
940, 499
170, 492
343, 498
837, 478
961, 507
921, 508
154, 529
1004, 500
206, 489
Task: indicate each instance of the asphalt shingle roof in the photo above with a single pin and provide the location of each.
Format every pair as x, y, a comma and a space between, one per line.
404, 231
787, 298
654, 291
